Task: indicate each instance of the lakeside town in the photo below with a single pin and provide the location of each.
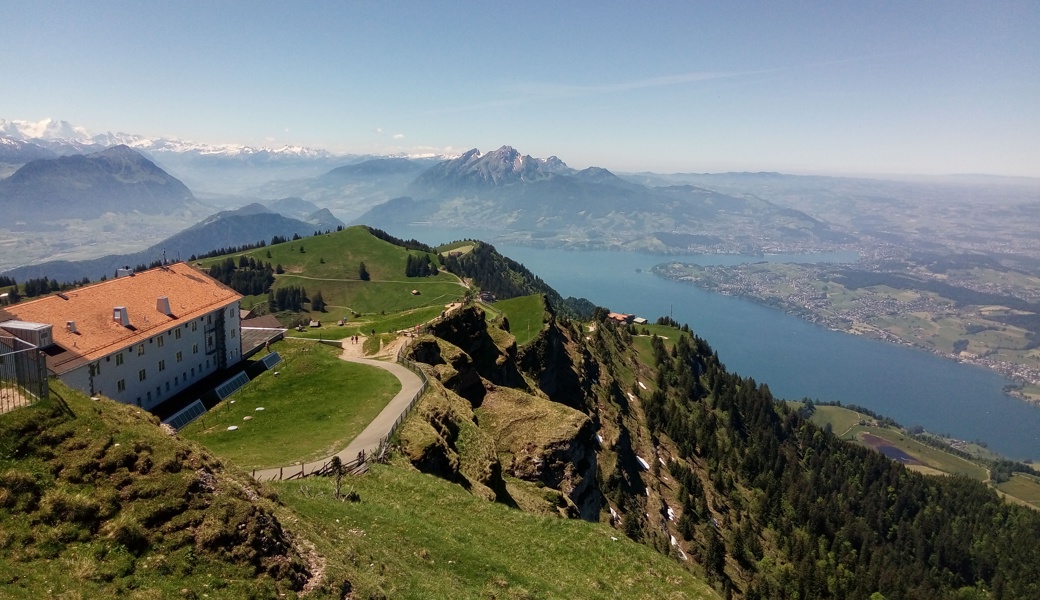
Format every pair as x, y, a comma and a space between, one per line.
916, 318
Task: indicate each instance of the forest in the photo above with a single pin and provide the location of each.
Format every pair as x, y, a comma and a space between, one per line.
806, 515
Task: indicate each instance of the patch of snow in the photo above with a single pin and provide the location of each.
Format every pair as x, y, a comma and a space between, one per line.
232, 427
641, 385
646, 465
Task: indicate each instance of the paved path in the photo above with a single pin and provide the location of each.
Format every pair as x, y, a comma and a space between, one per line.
368, 440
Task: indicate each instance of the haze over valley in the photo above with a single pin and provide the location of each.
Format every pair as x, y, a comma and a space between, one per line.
369, 300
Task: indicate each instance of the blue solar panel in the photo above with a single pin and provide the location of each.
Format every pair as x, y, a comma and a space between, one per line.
232, 385
186, 415
271, 360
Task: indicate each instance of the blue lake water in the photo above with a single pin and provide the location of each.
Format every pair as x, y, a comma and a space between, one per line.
796, 358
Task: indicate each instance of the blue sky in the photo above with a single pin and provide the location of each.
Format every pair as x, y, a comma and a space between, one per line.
800, 87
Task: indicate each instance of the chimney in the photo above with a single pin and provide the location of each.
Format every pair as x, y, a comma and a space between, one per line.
71, 326
119, 315
124, 272
162, 304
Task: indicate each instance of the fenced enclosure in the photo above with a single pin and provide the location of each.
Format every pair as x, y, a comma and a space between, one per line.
23, 374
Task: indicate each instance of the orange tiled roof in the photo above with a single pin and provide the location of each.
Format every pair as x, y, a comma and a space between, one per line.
191, 293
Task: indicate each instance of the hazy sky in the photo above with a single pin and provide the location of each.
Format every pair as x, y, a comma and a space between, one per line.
815, 87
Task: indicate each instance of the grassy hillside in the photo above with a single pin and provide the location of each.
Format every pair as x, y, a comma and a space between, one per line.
96, 501
417, 536
312, 409
330, 264
526, 315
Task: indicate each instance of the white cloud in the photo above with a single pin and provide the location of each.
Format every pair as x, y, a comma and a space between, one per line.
398, 136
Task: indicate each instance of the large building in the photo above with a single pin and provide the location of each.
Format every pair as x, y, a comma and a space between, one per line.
138, 339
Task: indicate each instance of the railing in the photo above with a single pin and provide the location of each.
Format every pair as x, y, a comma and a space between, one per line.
23, 374
384, 442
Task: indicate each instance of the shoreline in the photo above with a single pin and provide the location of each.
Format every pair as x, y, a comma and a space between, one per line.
1013, 390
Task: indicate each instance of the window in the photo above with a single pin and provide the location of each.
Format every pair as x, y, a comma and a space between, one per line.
209, 319
119, 359
180, 356
162, 365
194, 348
177, 333
167, 386
142, 375
233, 331
160, 341
194, 326
193, 371
140, 349
121, 385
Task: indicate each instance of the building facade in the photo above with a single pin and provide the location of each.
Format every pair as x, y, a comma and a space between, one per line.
138, 339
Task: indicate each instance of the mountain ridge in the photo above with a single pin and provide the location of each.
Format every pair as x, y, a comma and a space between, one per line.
116, 179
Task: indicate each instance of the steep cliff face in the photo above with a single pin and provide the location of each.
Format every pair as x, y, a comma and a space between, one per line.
508, 424
560, 365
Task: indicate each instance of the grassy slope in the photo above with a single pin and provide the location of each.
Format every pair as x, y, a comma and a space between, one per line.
312, 409
97, 502
407, 539
330, 264
526, 316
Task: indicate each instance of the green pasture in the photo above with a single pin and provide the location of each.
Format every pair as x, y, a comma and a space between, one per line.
313, 407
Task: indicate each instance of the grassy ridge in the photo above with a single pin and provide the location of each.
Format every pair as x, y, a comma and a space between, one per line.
406, 540
526, 316
329, 263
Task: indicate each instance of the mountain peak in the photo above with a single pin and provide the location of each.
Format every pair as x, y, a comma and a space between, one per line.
501, 167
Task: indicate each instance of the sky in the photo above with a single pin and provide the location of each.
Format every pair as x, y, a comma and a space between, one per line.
828, 87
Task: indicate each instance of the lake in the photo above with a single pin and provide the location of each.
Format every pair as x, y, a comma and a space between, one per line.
796, 358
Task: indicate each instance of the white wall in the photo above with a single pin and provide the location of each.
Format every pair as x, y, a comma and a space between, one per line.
160, 385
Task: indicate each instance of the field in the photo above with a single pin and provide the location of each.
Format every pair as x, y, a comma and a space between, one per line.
525, 314
1025, 488
851, 425
312, 408
405, 539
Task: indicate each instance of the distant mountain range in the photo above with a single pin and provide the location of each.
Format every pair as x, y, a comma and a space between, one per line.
546, 201
525, 199
85, 186
219, 169
247, 225
63, 138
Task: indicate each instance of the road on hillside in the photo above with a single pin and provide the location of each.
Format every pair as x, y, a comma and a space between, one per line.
368, 440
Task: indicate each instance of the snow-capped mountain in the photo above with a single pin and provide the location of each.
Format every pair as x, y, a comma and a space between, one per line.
64, 138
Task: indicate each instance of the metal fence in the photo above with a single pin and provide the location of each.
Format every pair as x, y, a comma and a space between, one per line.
23, 374
384, 442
